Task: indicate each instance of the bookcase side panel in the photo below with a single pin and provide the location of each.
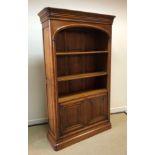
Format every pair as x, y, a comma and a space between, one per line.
50, 80
109, 70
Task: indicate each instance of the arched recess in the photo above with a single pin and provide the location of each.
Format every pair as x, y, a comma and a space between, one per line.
91, 45
79, 38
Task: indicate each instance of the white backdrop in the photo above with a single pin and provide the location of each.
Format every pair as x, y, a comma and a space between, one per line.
37, 111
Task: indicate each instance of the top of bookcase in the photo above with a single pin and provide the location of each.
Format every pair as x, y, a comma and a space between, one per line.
72, 15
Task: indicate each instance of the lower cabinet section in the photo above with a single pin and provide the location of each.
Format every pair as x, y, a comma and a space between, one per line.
70, 117
98, 109
80, 114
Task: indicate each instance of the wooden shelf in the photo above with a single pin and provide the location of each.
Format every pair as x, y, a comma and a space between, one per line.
84, 52
80, 76
81, 95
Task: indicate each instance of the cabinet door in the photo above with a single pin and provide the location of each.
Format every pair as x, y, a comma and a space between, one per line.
97, 109
77, 115
70, 117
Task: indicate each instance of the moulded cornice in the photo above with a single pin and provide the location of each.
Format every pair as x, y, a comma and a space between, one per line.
72, 15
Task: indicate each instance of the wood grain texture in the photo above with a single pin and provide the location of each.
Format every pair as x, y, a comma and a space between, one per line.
48, 71
82, 52
81, 95
71, 15
78, 64
77, 86
80, 76
77, 56
69, 140
80, 114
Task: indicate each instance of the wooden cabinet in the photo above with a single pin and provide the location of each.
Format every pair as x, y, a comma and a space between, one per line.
77, 56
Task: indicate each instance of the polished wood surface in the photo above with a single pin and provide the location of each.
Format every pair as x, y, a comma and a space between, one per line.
75, 53
81, 95
79, 114
80, 76
78, 64
77, 56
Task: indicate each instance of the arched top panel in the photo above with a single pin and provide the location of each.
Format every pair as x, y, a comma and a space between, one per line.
81, 38
88, 26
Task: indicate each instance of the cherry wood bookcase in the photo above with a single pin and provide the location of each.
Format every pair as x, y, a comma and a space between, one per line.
77, 56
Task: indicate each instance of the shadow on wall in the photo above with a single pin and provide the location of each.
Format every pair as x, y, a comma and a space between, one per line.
36, 89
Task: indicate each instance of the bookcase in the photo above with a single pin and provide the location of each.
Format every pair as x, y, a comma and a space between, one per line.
77, 56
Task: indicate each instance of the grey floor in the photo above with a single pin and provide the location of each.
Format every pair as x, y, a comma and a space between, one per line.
110, 142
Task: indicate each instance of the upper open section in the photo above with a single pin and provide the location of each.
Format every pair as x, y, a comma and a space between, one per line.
64, 14
81, 39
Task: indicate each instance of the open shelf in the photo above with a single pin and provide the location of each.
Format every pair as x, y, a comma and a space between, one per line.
78, 39
82, 58
80, 76
82, 52
69, 87
80, 95
79, 64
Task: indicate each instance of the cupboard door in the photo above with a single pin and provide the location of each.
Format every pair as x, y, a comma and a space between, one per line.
77, 115
70, 117
98, 110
